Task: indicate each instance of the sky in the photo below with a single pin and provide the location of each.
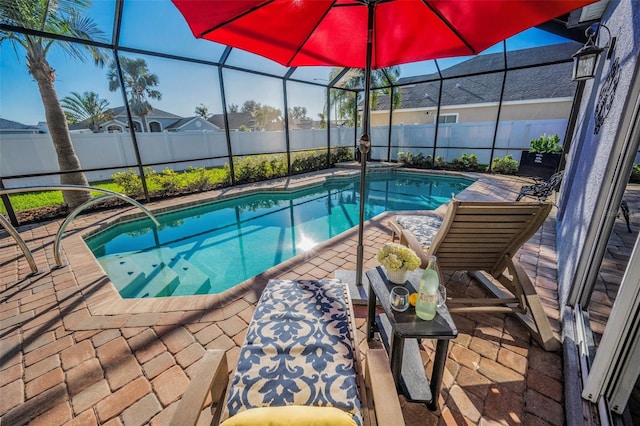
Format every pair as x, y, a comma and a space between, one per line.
156, 25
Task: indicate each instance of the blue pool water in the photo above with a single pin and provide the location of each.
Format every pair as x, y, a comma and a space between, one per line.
212, 247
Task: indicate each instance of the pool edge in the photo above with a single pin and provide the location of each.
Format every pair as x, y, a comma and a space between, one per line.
102, 297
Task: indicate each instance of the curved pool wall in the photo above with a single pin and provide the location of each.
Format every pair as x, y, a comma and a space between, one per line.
209, 248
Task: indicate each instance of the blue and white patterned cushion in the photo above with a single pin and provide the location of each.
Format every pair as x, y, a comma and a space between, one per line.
297, 350
423, 227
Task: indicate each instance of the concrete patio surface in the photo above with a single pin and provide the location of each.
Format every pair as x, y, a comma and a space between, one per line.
73, 352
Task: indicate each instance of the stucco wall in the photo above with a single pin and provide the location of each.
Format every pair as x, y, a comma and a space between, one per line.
590, 153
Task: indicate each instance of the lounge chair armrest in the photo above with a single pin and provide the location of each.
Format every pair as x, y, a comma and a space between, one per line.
396, 230
412, 242
381, 386
212, 376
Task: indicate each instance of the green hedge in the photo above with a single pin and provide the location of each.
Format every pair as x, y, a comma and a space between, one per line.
466, 163
505, 166
269, 166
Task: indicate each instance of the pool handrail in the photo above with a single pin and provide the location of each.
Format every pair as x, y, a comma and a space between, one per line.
20, 242
57, 242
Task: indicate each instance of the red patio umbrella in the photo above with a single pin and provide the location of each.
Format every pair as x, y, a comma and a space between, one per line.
368, 34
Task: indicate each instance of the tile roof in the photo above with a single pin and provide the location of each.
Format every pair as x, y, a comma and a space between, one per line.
155, 113
14, 125
235, 119
550, 81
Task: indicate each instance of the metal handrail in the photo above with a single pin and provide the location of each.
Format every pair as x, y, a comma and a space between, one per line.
23, 246
58, 240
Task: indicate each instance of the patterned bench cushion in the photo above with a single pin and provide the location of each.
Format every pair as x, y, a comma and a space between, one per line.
423, 227
297, 350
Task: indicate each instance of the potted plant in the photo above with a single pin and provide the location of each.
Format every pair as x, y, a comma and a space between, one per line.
542, 158
397, 260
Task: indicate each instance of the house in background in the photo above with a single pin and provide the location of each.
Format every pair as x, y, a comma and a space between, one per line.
237, 121
246, 121
157, 121
192, 124
9, 127
539, 93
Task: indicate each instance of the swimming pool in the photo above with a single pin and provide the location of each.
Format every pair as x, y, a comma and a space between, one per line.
210, 248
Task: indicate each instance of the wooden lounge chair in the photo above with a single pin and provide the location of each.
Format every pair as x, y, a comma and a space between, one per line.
299, 358
483, 238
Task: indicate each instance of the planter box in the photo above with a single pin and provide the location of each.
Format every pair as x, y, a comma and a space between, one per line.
538, 165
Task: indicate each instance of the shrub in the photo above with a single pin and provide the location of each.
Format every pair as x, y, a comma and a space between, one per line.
129, 181
198, 178
419, 161
340, 154
192, 179
167, 180
505, 166
465, 162
308, 161
545, 144
635, 173
259, 167
440, 163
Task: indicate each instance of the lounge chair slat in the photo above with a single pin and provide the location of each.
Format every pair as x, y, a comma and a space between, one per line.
513, 210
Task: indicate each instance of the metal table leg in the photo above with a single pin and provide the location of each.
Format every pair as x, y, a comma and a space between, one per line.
397, 351
438, 371
371, 313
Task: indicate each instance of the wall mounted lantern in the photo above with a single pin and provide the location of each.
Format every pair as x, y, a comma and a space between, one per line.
586, 59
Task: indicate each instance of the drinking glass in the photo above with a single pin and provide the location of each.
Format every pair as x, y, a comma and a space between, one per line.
442, 296
399, 299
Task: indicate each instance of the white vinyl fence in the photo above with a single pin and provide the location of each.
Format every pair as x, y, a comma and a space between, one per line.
34, 154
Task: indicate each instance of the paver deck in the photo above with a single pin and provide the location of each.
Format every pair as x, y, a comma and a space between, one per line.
73, 352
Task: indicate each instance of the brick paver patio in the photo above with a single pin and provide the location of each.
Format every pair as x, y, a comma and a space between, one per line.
72, 352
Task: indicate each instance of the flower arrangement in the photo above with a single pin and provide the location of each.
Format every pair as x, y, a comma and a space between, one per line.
395, 257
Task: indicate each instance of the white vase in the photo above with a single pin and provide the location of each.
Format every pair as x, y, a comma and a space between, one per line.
397, 276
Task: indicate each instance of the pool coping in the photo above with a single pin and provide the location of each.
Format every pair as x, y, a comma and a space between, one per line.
102, 297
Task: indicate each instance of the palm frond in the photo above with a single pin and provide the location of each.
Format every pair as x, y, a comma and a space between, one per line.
85, 28
61, 17
21, 13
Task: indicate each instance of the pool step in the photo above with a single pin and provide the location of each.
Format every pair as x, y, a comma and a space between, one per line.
123, 272
155, 273
142, 274
192, 279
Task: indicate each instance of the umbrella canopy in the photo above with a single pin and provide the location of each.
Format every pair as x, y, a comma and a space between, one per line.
334, 32
368, 34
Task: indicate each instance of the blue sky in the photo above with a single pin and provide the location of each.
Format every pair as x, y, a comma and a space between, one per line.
156, 25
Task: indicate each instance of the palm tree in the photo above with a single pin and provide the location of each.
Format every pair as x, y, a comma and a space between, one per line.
61, 17
87, 107
323, 120
268, 118
138, 82
345, 100
202, 111
298, 112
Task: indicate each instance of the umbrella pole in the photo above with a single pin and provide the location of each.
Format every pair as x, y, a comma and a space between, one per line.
365, 145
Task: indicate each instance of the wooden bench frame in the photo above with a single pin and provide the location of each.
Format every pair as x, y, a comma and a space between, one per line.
205, 397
